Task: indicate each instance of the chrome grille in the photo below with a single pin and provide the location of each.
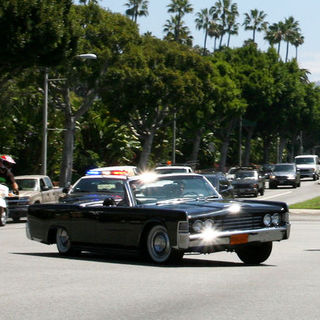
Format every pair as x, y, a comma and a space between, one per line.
243, 222
242, 185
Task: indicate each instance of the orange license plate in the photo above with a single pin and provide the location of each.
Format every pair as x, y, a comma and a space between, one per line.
239, 238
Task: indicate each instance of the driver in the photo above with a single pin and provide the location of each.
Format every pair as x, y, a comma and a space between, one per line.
6, 176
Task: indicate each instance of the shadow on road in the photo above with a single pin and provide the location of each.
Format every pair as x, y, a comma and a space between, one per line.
187, 262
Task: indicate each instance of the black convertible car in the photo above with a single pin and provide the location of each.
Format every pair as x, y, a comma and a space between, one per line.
160, 216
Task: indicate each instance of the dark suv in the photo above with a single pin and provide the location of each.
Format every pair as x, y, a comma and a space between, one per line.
248, 182
284, 174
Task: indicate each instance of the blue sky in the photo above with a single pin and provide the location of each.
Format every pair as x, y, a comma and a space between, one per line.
305, 12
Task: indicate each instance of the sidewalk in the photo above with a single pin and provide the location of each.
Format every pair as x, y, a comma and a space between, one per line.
304, 211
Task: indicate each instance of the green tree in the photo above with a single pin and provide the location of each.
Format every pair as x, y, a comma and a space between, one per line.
83, 83
40, 33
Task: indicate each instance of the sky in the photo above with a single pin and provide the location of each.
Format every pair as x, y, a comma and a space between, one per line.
305, 12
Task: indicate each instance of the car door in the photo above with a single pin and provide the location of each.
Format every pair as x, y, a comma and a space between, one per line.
119, 226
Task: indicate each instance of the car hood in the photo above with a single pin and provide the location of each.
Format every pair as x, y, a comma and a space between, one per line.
306, 166
221, 207
283, 173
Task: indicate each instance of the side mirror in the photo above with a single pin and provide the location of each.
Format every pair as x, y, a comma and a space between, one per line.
44, 188
65, 190
109, 202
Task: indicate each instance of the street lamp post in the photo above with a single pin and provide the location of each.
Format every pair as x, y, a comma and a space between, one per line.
85, 56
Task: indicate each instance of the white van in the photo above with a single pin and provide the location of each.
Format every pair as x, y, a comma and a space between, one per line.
308, 166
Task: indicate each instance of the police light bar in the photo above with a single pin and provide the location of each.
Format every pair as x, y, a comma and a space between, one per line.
97, 172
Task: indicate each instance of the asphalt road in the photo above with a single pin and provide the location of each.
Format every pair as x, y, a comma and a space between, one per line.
37, 283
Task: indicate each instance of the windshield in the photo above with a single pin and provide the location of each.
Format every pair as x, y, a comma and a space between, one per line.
163, 189
27, 184
97, 185
305, 160
283, 167
246, 175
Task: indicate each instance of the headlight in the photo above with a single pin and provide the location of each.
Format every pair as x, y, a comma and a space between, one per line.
272, 177
197, 226
208, 224
275, 219
267, 220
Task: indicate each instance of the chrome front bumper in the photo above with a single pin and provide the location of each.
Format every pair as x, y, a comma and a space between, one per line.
189, 241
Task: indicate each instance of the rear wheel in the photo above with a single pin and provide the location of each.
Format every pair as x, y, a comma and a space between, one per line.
254, 253
3, 217
63, 243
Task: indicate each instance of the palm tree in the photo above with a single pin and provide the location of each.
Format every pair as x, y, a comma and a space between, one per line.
255, 22
180, 7
298, 41
227, 12
170, 28
222, 9
290, 30
203, 21
214, 31
137, 8
232, 26
274, 34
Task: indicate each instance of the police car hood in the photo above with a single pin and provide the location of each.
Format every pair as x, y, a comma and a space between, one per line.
197, 208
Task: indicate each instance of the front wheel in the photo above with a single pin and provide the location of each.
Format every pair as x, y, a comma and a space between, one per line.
158, 246
254, 253
3, 217
63, 243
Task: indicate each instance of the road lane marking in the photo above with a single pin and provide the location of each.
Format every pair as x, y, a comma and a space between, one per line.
277, 195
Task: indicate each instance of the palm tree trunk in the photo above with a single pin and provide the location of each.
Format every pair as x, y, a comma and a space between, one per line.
287, 51
205, 42
228, 43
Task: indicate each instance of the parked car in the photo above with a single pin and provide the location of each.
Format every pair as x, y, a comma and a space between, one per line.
173, 169
284, 174
163, 217
309, 166
32, 189
265, 170
248, 182
232, 171
221, 183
